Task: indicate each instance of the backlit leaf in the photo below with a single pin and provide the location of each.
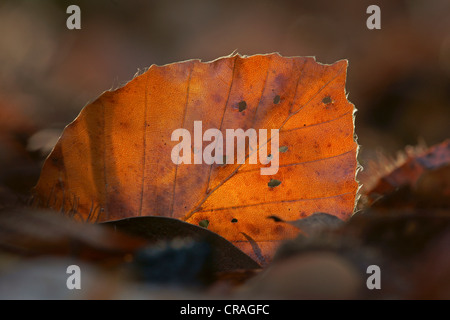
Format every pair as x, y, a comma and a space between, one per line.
114, 160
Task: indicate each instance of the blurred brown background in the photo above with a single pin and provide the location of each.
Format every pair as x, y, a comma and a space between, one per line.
398, 78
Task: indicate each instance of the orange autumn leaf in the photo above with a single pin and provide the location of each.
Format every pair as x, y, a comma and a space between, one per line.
114, 160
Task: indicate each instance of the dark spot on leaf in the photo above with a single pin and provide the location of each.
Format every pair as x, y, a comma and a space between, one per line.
274, 183
275, 218
283, 149
327, 100
204, 223
277, 99
242, 106
234, 220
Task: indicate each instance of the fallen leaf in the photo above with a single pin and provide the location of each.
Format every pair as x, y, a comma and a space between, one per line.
225, 256
405, 244
30, 233
422, 180
114, 160
315, 223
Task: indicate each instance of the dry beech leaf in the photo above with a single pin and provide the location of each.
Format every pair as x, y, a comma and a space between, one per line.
114, 161
35, 233
422, 180
315, 223
226, 257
